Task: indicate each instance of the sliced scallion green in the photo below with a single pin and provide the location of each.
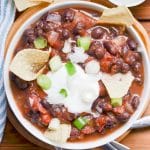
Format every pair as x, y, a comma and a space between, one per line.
44, 81
63, 92
84, 42
70, 68
40, 43
80, 123
116, 102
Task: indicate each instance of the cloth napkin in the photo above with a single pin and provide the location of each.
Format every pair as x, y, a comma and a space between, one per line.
7, 15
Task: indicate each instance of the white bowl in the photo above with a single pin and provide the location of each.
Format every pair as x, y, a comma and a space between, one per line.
34, 131
127, 3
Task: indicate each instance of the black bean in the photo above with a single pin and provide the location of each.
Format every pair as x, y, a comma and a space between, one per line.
125, 68
135, 101
117, 66
34, 116
115, 69
68, 15
111, 121
94, 46
29, 36
132, 44
65, 34
124, 50
98, 32
21, 84
111, 47
123, 117
100, 52
138, 78
136, 67
130, 58
46, 26
102, 105
79, 28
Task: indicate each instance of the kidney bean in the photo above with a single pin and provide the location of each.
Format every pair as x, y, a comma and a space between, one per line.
132, 44
21, 84
111, 47
103, 91
79, 28
98, 33
68, 15
135, 101
65, 34
125, 68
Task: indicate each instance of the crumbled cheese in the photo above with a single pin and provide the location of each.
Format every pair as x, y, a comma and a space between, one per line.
78, 56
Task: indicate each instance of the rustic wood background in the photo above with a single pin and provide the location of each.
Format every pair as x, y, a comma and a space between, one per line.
136, 140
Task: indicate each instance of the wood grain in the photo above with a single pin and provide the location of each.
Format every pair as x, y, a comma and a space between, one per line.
136, 140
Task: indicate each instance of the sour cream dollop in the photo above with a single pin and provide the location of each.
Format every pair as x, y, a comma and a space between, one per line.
82, 89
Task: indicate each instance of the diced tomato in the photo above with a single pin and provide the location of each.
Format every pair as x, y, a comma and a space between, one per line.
88, 130
55, 41
45, 119
106, 62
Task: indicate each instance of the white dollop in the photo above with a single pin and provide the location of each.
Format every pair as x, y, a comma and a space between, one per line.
92, 67
82, 89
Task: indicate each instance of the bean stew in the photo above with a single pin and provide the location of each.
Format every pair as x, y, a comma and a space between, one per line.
73, 89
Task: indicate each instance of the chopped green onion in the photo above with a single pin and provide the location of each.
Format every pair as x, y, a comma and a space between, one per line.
84, 42
63, 92
70, 68
40, 43
55, 63
116, 102
44, 82
80, 123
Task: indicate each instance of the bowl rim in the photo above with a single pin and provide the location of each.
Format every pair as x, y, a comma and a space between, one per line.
35, 132
131, 4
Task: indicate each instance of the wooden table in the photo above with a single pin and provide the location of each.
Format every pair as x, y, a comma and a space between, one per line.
136, 140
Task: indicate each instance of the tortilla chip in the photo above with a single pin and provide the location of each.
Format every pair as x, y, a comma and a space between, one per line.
118, 84
120, 15
29, 63
24, 4
60, 135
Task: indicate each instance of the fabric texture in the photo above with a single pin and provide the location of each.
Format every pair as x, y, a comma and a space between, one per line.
7, 15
